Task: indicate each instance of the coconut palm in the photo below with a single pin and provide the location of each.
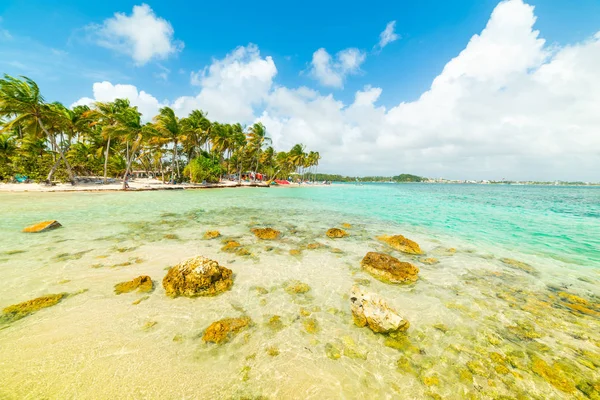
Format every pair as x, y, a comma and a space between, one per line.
108, 116
22, 102
257, 137
171, 129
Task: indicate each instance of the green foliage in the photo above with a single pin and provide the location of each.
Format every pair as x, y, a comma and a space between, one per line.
407, 178
202, 169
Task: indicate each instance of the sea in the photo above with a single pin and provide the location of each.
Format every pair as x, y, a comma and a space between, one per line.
506, 306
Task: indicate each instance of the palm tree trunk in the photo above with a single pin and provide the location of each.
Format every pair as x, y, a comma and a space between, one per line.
176, 159
52, 171
60, 152
106, 161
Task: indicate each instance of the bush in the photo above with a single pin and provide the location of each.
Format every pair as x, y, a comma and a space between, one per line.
202, 169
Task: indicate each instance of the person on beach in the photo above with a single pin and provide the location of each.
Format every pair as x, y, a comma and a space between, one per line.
126, 183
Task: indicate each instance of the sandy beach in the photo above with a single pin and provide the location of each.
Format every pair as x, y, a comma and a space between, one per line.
142, 184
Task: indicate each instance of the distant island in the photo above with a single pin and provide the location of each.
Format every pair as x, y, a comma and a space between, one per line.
409, 178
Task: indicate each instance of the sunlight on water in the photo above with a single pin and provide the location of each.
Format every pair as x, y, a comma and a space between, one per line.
507, 302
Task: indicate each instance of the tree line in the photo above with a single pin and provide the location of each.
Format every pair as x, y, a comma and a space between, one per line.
402, 178
48, 141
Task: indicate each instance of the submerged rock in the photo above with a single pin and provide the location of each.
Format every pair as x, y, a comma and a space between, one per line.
42, 226
368, 309
231, 246
211, 235
266, 233
21, 310
346, 225
336, 233
141, 283
222, 331
198, 276
297, 287
401, 243
515, 264
389, 269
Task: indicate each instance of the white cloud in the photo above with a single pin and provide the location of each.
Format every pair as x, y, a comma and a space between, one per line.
143, 36
163, 74
507, 106
231, 88
332, 72
4, 34
147, 104
388, 35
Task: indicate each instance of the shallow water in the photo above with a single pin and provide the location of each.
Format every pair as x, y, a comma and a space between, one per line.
480, 328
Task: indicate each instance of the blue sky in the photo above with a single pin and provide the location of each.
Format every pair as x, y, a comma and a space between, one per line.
57, 44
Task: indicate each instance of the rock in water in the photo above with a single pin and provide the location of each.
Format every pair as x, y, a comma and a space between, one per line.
141, 283
266, 233
389, 269
368, 309
198, 276
336, 233
21, 310
222, 331
401, 243
42, 226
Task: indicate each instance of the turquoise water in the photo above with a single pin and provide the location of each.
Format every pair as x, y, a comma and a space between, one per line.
507, 302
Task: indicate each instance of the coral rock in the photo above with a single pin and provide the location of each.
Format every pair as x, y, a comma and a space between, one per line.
211, 234
222, 331
401, 243
21, 310
141, 283
42, 226
198, 276
266, 233
370, 310
389, 269
336, 233
516, 264
297, 287
231, 246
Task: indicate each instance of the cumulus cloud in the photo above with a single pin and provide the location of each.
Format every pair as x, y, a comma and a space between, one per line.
508, 105
142, 35
388, 35
330, 71
147, 104
231, 88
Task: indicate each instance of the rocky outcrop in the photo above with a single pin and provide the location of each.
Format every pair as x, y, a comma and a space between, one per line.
198, 276
266, 233
389, 269
142, 284
368, 309
336, 233
401, 243
42, 226
21, 310
211, 235
222, 331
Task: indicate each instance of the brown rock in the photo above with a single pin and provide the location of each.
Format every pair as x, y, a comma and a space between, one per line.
211, 235
21, 310
368, 309
42, 226
336, 233
222, 331
389, 269
401, 243
266, 233
142, 283
197, 276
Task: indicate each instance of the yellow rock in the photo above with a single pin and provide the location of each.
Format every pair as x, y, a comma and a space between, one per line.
295, 252
141, 283
21, 310
515, 264
231, 246
297, 287
266, 233
552, 374
197, 276
311, 325
335, 233
222, 331
346, 225
389, 269
211, 235
272, 351
401, 243
42, 226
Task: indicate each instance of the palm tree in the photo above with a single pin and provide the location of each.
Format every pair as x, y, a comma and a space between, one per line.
22, 102
257, 137
171, 128
107, 115
196, 131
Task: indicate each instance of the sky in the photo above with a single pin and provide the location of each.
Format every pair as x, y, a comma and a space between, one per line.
462, 89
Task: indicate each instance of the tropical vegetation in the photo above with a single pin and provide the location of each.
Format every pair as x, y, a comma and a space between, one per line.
48, 142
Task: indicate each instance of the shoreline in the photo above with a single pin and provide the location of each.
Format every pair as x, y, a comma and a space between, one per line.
139, 185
